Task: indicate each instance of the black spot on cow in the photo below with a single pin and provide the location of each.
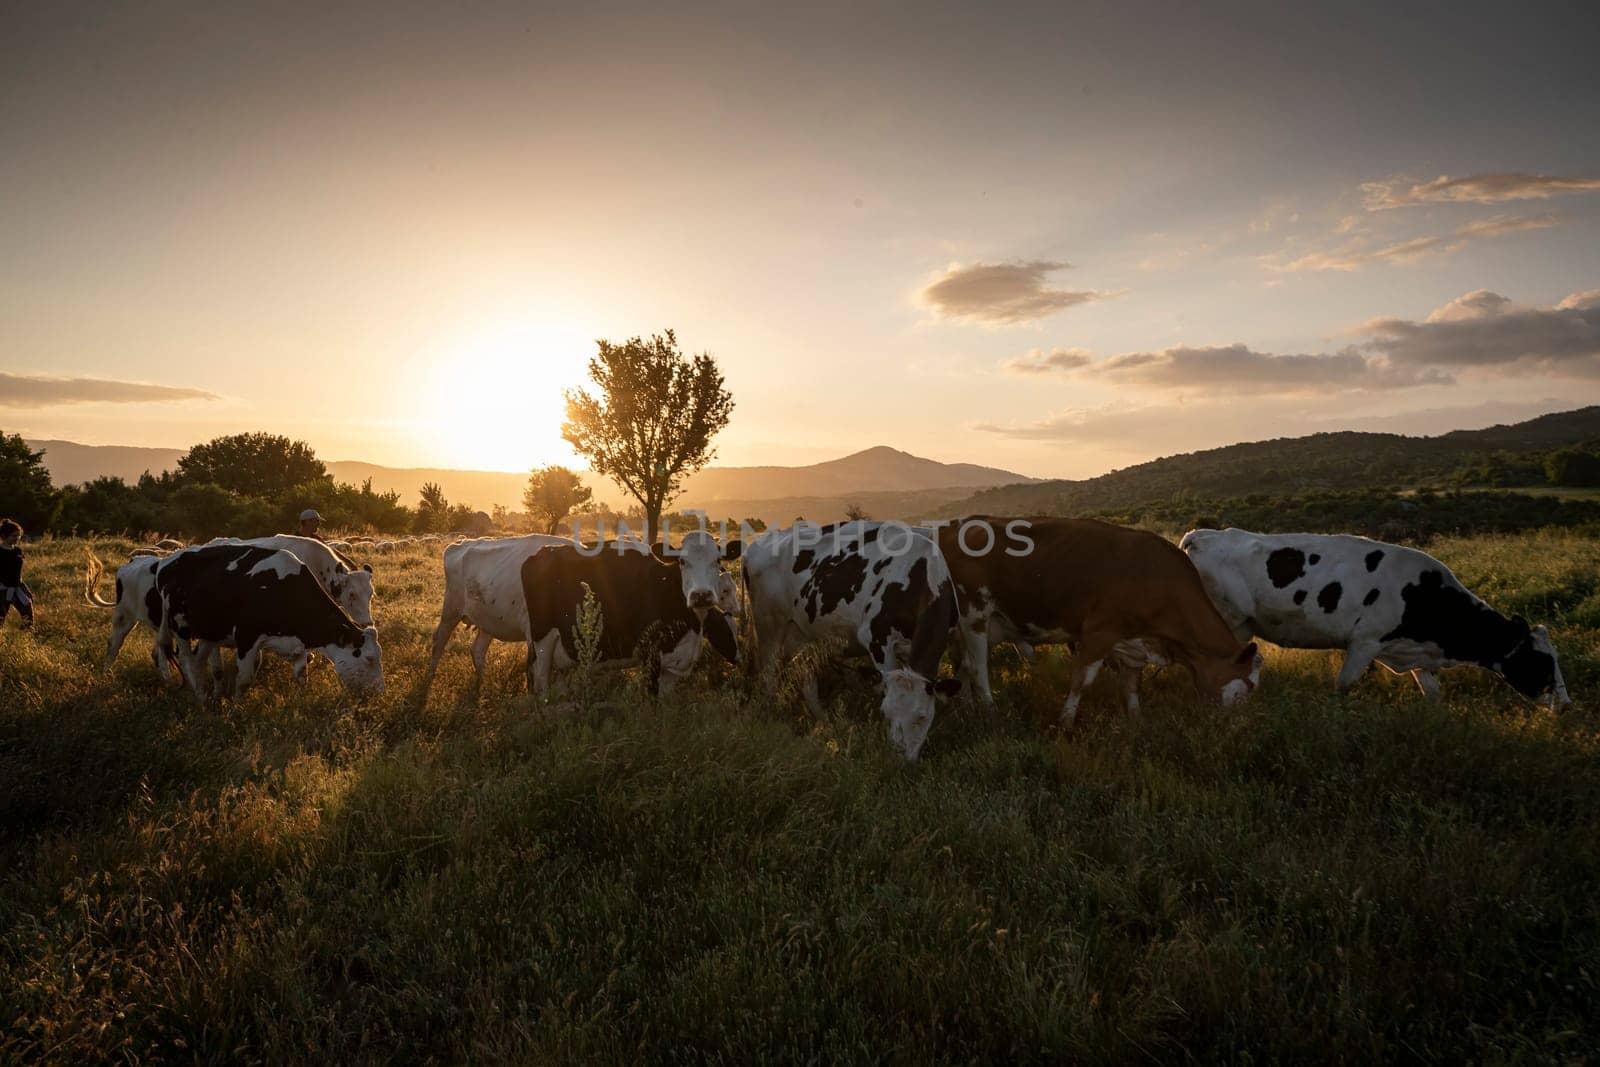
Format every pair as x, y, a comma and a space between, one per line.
1374, 558
902, 605
1299, 596
1371, 598
1285, 565
877, 568
803, 558
1329, 597
1469, 631
1315, 559
833, 580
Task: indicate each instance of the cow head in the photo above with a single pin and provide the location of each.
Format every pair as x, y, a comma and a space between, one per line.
1531, 666
908, 704
353, 592
359, 661
705, 584
1230, 680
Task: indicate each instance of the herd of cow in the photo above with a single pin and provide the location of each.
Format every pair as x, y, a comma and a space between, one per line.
904, 596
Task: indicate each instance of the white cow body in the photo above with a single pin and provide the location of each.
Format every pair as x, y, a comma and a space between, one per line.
1379, 602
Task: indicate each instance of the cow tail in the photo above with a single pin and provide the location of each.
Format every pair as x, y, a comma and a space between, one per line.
91, 579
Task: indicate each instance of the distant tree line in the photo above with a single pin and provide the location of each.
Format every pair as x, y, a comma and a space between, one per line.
249, 483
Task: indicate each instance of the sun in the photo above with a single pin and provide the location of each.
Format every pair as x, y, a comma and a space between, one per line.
494, 394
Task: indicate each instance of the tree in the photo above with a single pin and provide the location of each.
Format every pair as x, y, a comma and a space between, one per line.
252, 464
552, 494
433, 514
651, 421
1573, 467
25, 490
855, 513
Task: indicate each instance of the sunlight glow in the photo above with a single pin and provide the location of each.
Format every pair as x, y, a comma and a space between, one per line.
493, 397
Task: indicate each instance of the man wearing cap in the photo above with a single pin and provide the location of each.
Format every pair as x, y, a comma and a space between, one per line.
309, 521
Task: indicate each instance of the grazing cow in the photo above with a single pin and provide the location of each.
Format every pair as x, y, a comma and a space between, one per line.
642, 613
879, 588
1115, 594
256, 599
483, 587
349, 585
1396, 605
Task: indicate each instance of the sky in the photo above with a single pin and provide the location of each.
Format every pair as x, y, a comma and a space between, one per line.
1056, 239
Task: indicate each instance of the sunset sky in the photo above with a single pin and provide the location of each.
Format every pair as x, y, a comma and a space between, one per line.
1056, 239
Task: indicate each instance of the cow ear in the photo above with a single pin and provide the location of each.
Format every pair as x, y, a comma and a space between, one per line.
732, 549
658, 550
945, 687
1246, 654
1521, 624
367, 567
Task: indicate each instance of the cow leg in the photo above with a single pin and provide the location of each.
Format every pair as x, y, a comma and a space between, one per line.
1090, 655
480, 655
449, 619
191, 664
1356, 661
1130, 676
541, 656
1083, 676
975, 664
218, 671
249, 662
122, 624
1426, 682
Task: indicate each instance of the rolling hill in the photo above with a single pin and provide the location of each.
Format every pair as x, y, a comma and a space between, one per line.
1344, 461
885, 481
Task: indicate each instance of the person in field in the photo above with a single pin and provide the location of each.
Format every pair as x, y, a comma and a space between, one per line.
309, 521
14, 592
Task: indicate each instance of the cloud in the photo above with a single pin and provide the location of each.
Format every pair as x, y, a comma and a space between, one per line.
1483, 329
1004, 293
39, 391
1472, 189
1355, 256
1040, 362
1238, 368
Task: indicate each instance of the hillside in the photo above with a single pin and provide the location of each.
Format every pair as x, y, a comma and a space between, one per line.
1287, 466
885, 481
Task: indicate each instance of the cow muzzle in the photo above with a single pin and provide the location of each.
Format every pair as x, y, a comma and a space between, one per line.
701, 599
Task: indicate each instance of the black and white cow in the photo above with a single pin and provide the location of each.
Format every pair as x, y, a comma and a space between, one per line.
348, 584
483, 588
256, 600
643, 612
882, 589
1379, 602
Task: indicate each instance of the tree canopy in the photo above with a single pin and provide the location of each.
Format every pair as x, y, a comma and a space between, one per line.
552, 494
26, 493
252, 464
650, 420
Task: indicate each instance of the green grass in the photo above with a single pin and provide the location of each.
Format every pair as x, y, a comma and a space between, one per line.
299, 875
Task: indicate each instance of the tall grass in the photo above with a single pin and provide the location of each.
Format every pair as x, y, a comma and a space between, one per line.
715, 877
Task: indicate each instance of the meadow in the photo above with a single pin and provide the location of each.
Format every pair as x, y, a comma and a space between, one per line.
298, 874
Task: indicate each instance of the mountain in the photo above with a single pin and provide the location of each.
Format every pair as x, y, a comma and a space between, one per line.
884, 481
1289, 465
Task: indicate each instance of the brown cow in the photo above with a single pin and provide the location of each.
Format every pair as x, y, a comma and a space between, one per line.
1095, 586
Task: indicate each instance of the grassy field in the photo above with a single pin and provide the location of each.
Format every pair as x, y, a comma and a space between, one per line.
300, 875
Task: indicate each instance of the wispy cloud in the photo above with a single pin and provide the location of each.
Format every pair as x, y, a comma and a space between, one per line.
1471, 189
1359, 254
1039, 361
40, 391
1004, 293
